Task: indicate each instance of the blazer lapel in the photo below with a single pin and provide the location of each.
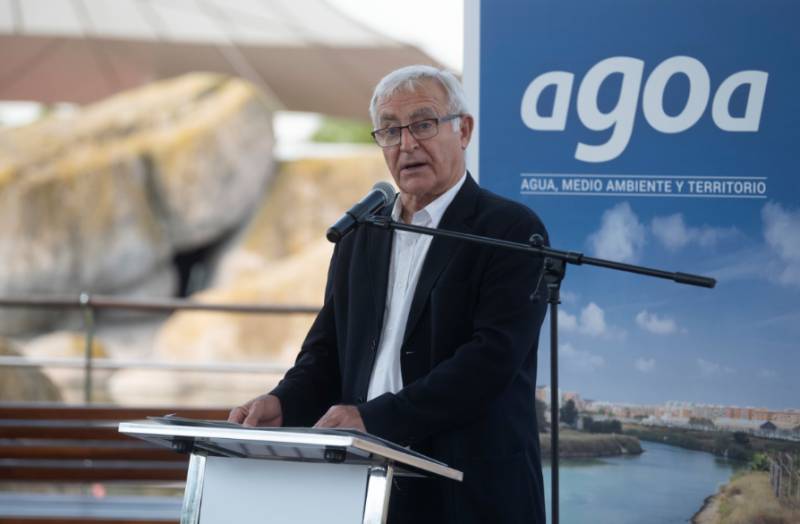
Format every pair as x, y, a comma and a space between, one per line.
378, 255
441, 249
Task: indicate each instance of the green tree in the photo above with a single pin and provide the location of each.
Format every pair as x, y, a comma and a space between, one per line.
741, 438
568, 413
343, 131
759, 462
601, 426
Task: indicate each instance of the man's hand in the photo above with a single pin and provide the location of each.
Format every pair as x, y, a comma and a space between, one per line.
261, 411
342, 417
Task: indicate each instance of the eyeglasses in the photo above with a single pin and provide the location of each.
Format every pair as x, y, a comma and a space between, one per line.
421, 130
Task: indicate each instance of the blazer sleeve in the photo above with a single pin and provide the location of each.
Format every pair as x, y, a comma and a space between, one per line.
506, 321
313, 384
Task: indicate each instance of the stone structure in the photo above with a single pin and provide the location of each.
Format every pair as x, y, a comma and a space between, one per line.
24, 384
102, 200
281, 258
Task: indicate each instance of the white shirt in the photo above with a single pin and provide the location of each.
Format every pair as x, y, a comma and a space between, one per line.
408, 255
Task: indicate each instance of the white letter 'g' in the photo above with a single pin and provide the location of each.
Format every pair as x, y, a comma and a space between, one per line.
621, 117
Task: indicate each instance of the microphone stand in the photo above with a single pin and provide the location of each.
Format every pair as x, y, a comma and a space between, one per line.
553, 272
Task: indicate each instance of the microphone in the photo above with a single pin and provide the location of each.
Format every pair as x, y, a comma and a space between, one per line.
381, 194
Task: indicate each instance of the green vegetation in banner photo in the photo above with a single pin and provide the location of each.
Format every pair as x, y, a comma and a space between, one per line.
580, 445
732, 445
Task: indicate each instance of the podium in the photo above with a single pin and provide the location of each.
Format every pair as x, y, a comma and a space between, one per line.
284, 475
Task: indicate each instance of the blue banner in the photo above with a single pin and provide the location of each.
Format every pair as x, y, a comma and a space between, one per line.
659, 133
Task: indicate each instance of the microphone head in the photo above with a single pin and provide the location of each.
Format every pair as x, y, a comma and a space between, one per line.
387, 190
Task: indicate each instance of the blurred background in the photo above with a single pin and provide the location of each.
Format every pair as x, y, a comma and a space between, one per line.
165, 150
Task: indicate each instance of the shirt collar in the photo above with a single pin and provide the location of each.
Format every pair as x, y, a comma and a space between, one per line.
433, 212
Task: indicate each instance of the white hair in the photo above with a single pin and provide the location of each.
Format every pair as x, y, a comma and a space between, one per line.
410, 78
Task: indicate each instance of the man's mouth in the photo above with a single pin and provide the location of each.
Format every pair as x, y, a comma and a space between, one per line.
412, 166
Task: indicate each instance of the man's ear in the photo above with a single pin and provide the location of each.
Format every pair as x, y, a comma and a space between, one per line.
466, 124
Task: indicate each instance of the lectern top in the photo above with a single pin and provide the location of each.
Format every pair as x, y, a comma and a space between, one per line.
297, 444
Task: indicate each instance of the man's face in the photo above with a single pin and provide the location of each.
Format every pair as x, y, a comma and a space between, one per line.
424, 169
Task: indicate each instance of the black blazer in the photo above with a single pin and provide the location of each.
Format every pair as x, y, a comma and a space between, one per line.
468, 362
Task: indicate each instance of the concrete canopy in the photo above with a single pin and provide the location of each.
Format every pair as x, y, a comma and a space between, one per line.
305, 54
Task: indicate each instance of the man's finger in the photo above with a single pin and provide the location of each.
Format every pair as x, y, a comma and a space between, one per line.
236, 415
251, 420
322, 423
329, 419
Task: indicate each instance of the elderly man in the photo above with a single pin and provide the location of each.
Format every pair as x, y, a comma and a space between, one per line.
430, 343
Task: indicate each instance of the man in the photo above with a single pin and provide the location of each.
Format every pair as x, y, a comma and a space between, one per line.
430, 343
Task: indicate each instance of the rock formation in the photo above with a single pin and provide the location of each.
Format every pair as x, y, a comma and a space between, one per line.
19, 384
103, 199
281, 258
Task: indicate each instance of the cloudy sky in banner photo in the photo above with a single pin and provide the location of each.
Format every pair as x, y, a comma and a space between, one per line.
628, 338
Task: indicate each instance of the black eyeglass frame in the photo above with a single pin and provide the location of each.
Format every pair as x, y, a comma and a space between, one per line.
437, 121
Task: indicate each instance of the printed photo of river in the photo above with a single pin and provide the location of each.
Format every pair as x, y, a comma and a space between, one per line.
663, 485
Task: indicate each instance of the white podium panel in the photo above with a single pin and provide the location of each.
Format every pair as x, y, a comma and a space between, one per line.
275, 492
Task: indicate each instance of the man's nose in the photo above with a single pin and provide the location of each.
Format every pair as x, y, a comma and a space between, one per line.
407, 140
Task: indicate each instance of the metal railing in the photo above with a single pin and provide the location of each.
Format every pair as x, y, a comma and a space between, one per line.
90, 304
784, 476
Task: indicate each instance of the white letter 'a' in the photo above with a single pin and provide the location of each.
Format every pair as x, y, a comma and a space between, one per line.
620, 118
720, 108
557, 121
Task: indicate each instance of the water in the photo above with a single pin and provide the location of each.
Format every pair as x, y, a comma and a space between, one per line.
663, 485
